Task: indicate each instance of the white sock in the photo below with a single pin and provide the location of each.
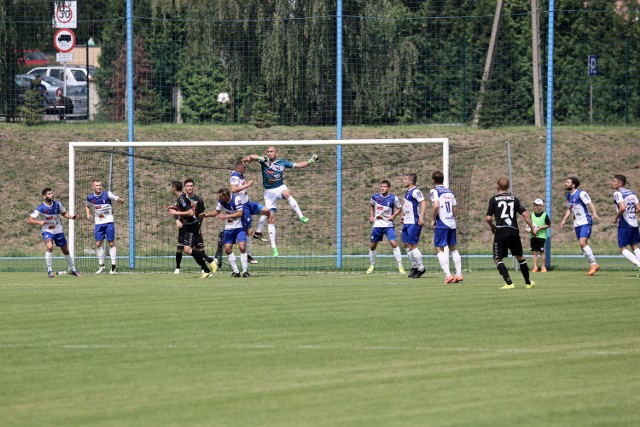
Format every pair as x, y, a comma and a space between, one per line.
457, 261
100, 252
244, 261
397, 254
443, 259
248, 245
411, 260
417, 255
295, 207
70, 263
48, 258
112, 255
588, 254
261, 222
637, 252
372, 256
631, 257
272, 234
232, 260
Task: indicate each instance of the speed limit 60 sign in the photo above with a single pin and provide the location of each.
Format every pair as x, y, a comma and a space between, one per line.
65, 14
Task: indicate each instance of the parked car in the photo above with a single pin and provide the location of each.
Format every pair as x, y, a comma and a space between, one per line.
74, 75
78, 95
50, 83
33, 57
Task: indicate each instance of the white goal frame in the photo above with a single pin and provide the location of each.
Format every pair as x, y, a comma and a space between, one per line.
338, 143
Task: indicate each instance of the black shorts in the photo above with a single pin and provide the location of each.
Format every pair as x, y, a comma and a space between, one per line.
537, 244
191, 236
502, 246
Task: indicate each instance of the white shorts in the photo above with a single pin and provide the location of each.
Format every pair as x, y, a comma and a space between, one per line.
272, 195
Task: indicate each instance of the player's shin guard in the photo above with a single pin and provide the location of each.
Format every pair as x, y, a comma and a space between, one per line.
417, 255
588, 254
524, 269
457, 262
631, 257
502, 269
178, 259
261, 223
199, 257
244, 261
372, 256
248, 244
443, 259
48, 258
411, 259
295, 207
113, 255
637, 253
397, 254
232, 261
100, 253
272, 234
70, 262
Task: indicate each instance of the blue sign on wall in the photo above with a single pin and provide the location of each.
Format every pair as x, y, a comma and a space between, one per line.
593, 65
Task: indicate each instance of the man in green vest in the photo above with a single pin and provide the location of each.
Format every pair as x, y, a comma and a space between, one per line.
539, 234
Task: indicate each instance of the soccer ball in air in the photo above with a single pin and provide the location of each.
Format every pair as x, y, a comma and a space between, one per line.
223, 98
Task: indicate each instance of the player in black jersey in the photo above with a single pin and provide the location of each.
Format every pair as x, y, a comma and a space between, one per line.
503, 207
199, 207
193, 243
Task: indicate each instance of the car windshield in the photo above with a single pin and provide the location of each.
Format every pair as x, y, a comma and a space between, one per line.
52, 81
76, 90
36, 56
79, 75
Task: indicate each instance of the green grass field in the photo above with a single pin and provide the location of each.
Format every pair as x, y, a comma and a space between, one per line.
319, 350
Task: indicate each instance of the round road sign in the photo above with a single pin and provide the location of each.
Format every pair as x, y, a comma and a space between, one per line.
64, 40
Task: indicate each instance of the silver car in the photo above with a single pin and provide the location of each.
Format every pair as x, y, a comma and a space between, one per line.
50, 83
78, 95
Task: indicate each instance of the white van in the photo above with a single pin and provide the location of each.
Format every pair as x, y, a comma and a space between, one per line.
74, 75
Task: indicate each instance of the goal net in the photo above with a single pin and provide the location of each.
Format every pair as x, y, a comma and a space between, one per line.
334, 193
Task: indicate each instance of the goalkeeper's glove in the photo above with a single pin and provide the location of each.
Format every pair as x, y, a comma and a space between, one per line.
263, 159
313, 159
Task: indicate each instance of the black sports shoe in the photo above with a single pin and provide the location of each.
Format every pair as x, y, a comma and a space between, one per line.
235, 274
260, 237
413, 271
246, 274
251, 259
418, 273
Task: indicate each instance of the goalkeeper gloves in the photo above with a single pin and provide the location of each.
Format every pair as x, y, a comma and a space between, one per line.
313, 159
263, 159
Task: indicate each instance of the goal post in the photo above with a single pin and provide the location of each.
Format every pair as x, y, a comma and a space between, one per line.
351, 169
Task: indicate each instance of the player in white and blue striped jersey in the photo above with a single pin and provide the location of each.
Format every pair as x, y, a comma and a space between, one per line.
578, 204
627, 205
98, 207
48, 216
443, 224
230, 210
383, 208
413, 207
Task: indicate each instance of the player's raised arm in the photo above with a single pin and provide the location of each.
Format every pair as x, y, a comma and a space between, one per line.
312, 159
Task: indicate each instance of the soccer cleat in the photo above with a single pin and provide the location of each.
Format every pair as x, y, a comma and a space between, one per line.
459, 279
304, 219
507, 286
449, 279
176, 271
413, 271
213, 265
245, 274
401, 270
531, 285
593, 269
274, 252
251, 259
113, 269
235, 274
535, 270
543, 270
419, 273
50, 274
100, 269
370, 269
74, 273
260, 237
206, 275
